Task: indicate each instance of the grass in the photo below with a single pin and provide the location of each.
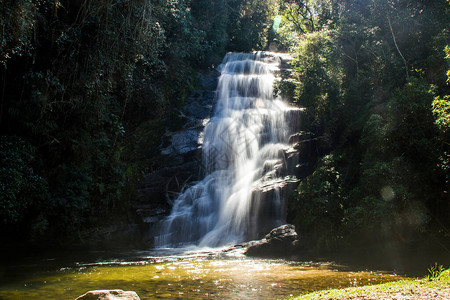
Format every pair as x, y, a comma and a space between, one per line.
413, 286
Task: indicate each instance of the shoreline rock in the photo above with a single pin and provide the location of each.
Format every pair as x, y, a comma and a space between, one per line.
282, 242
109, 295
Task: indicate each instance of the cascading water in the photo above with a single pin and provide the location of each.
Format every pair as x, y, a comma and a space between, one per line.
244, 152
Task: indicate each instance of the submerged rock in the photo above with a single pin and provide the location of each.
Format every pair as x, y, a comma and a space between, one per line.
109, 295
282, 242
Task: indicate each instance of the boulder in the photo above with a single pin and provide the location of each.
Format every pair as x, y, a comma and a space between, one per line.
268, 205
280, 242
109, 295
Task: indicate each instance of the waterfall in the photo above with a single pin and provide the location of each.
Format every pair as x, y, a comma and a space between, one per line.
244, 159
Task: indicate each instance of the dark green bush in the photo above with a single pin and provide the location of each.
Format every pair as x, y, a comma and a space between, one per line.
23, 192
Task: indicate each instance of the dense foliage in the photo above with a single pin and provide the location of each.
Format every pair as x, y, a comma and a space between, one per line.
373, 76
88, 88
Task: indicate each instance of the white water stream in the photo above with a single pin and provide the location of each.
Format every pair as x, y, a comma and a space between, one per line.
244, 152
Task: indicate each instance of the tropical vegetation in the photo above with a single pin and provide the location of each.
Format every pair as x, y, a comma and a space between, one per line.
88, 89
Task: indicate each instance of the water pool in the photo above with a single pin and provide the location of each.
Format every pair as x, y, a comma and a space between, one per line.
186, 275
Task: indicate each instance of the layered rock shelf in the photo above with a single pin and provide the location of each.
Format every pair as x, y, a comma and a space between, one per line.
180, 164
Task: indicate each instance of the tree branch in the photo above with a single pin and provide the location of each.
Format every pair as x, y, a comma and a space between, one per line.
398, 49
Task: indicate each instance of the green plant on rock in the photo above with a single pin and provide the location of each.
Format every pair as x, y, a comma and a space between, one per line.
318, 78
435, 271
318, 204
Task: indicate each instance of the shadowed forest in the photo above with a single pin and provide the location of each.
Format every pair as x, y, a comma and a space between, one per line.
88, 90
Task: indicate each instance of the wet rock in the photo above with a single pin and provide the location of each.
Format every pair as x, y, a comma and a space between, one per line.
209, 80
280, 242
266, 202
183, 142
198, 111
179, 160
305, 150
301, 136
285, 66
163, 185
294, 119
150, 215
109, 295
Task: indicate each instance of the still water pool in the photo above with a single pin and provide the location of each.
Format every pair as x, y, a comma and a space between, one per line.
187, 275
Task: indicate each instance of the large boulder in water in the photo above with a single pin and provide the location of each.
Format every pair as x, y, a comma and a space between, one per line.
280, 242
109, 295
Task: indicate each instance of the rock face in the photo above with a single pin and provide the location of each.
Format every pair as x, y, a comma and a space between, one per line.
280, 242
179, 161
109, 295
306, 149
